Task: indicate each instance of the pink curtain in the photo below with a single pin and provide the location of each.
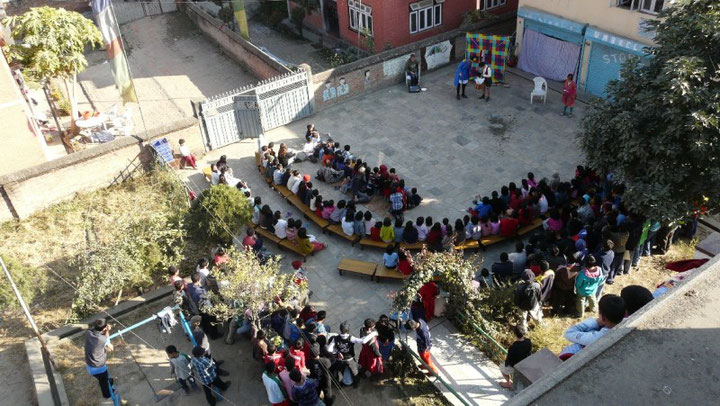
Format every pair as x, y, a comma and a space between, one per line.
548, 57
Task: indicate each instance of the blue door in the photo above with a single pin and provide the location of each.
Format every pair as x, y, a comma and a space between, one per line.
604, 66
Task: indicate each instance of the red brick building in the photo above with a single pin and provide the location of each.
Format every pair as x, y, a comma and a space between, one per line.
394, 23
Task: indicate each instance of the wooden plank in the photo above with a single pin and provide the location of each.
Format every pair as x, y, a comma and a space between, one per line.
295, 201
366, 242
267, 235
290, 246
530, 227
415, 246
284, 191
358, 267
321, 222
383, 272
337, 230
468, 245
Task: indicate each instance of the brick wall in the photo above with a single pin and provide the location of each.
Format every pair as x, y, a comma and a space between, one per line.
35, 188
242, 51
386, 68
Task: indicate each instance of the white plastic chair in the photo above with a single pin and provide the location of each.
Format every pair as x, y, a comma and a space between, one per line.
540, 89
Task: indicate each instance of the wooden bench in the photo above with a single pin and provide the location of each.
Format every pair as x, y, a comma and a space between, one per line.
358, 267
337, 230
321, 222
266, 234
367, 242
530, 227
290, 246
468, 244
415, 246
295, 201
382, 272
284, 191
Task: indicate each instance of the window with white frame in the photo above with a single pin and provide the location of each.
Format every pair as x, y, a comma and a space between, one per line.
425, 15
647, 6
360, 17
490, 4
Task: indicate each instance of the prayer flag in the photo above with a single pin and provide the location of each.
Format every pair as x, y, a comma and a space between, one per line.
105, 19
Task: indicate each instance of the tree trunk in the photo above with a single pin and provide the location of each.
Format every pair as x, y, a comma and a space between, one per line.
70, 90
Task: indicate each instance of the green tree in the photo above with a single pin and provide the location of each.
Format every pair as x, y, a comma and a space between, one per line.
31, 282
302, 9
659, 129
246, 283
218, 213
50, 43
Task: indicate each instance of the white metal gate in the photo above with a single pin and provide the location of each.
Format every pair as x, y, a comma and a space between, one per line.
126, 11
247, 112
284, 99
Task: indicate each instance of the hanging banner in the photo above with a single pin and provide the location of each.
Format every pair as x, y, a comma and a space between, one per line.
493, 49
105, 19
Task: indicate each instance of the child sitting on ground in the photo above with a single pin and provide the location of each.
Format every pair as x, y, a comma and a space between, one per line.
375, 231
414, 199
387, 232
612, 312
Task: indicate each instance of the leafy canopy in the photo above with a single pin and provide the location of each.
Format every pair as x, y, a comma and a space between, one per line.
659, 130
246, 283
50, 41
218, 213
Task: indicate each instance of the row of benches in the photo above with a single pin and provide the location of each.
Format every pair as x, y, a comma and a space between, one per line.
336, 229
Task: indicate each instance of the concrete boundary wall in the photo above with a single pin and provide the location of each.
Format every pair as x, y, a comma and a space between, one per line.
708, 272
29, 190
234, 45
384, 69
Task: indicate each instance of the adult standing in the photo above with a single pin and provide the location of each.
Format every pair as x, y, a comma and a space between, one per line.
423, 340
96, 348
486, 74
462, 74
568, 95
207, 373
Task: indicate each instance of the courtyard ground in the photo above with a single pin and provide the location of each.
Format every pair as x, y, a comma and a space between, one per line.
172, 63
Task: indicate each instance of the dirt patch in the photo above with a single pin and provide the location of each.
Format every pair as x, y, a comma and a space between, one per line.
501, 126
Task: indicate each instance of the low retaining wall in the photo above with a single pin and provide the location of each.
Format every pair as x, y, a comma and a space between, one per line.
29, 190
384, 69
234, 45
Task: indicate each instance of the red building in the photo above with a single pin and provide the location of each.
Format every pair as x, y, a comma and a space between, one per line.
393, 23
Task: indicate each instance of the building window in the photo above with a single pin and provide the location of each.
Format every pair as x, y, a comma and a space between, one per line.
647, 6
491, 4
360, 17
425, 15
651, 6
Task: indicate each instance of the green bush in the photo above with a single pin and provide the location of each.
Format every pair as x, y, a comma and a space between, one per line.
30, 282
218, 213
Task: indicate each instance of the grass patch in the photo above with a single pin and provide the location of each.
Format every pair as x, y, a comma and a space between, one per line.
52, 238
